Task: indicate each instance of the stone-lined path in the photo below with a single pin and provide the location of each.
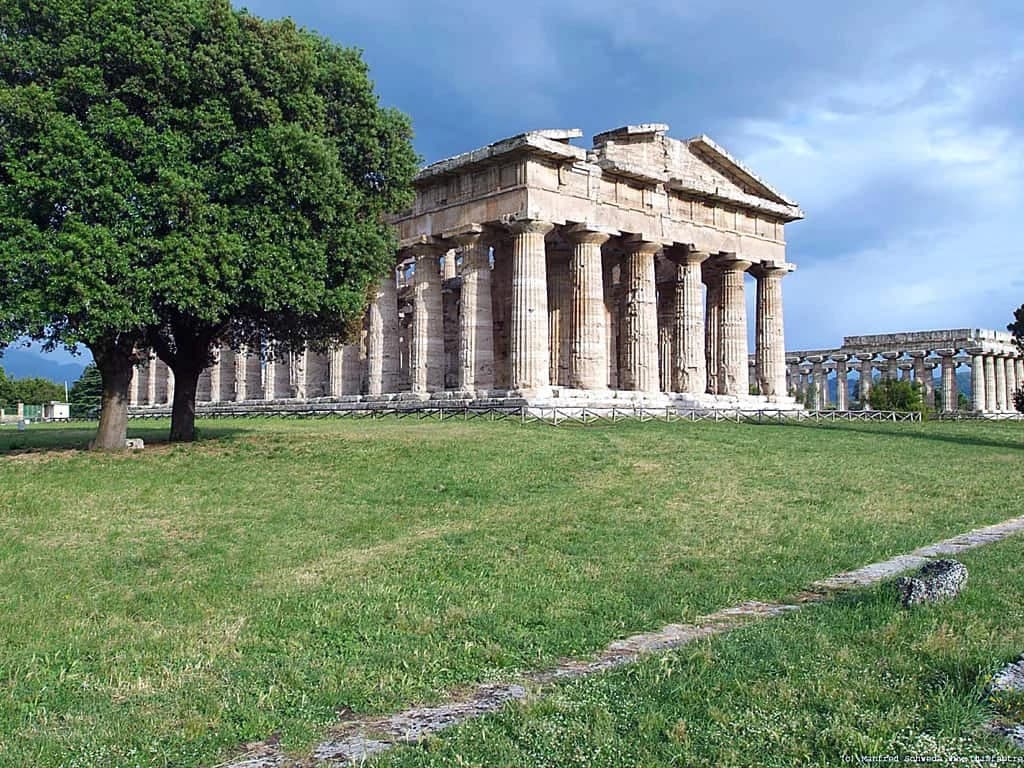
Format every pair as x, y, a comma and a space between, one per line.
355, 740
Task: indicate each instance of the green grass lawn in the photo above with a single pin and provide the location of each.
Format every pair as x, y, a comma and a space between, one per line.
165, 607
856, 677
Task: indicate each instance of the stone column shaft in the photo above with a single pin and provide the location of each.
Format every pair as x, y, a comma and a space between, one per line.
427, 352
712, 326
950, 397
529, 346
990, 382
770, 349
842, 383
640, 323
588, 356
866, 379
215, 377
820, 382
732, 370
1011, 381
999, 369
689, 356
476, 320
382, 339
979, 400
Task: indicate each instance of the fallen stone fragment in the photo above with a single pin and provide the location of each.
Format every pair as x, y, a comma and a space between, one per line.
938, 580
134, 444
1010, 679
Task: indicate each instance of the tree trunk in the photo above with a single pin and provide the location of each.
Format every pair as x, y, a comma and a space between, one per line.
115, 366
183, 408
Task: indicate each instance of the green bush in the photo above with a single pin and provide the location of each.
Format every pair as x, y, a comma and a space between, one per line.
894, 395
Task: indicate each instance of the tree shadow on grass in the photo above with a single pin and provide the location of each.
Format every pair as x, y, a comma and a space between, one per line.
54, 438
909, 432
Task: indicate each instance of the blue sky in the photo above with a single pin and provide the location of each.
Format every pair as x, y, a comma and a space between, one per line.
898, 127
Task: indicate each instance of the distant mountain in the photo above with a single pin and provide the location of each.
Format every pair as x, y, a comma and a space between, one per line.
28, 363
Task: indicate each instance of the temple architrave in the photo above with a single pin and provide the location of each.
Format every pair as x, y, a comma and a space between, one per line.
997, 369
537, 270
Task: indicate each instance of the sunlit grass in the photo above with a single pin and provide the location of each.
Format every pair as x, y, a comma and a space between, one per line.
164, 607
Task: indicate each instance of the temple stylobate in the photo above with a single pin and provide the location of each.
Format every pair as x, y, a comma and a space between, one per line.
535, 269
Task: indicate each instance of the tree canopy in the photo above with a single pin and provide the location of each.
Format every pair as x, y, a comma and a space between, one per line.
897, 395
179, 173
31, 391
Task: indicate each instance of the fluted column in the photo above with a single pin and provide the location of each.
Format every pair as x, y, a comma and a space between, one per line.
427, 352
169, 386
559, 301
151, 383
978, 397
299, 381
215, 376
449, 264
770, 342
929, 383
905, 367
842, 382
990, 382
999, 369
476, 320
529, 349
732, 370
1011, 381
820, 381
712, 278
922, 374
640, 320
1018, 362
892, 371
867, 379
689, 361
950, 396
805, 375
382, 339
588, 356
242, 374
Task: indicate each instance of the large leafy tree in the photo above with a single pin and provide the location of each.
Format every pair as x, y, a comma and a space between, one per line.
180, 174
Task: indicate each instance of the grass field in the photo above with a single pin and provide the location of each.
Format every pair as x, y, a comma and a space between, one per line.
165, 607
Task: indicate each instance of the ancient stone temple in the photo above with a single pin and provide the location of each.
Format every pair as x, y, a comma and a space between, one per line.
928, 357
536, 269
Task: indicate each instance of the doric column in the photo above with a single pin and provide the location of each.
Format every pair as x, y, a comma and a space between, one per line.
269, 377
990, 382
732, 371
999, 369
929, 383
169, 386
215, 375
842, 382
1011, 380
449, 264
476, 320
611, 267
978, 397
1018, 362
151, 380
227, 373
867, 378
689, 371
770, 342
805, 373
891, 370
666, 332
382, 338
501, 307
820, 382
792, 374
949, 393
135, 390
559, 301
241, 360
299, 382
923, 376
685, 310
905, 367
712, 277
427, 353
640, 321
588, 356
529, 351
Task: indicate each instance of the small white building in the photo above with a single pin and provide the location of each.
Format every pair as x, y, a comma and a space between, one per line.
56, 411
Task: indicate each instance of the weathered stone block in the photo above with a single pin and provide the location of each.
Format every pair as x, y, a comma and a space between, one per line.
937, 580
